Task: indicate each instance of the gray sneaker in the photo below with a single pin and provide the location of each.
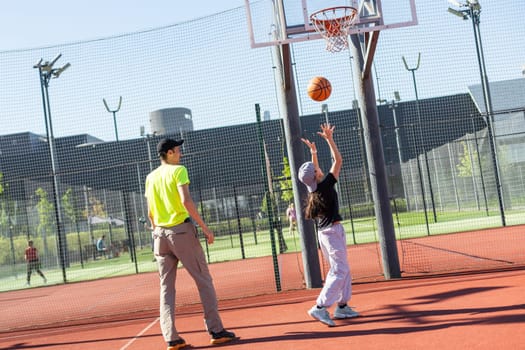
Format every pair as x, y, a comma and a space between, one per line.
321, 315
345, 312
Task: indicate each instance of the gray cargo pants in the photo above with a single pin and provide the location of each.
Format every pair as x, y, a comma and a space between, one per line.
181, 243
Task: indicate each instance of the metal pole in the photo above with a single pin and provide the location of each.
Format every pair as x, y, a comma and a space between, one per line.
276, 271
453, 175
474, 15
472, 167
393, 105
324, 109
473, 10
421, 140
480, 168
150, 160
114, 112
45, 76
115, 124
421, 185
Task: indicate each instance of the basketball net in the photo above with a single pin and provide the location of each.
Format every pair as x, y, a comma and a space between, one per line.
334, 24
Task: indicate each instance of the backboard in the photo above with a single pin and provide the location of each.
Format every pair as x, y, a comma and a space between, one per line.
276, 22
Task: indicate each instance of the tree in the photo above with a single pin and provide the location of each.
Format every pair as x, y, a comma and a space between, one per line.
45, 215
72, 214
69, 209
465, 161
4, 214
96, 208
285, 182
7, 207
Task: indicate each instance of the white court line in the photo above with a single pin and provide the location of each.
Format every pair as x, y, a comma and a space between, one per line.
138, 335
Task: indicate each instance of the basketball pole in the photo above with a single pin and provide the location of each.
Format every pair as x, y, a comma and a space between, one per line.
374, 152
294, 145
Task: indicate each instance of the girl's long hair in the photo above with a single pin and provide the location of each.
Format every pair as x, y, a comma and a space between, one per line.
315, 206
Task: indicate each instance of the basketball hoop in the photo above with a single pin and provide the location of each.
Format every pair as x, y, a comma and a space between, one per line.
334, 24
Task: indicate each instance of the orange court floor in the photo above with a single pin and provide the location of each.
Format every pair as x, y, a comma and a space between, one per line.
463, 311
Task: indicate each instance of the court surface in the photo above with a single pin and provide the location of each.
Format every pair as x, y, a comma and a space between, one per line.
469, 311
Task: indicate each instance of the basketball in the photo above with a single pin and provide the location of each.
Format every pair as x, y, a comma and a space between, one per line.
319, 88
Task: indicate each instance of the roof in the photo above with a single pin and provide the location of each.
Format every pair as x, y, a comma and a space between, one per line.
506, 95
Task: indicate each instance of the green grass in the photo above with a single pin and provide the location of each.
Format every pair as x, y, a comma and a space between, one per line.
227, 248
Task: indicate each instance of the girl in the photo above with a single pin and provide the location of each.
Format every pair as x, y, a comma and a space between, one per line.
323, 206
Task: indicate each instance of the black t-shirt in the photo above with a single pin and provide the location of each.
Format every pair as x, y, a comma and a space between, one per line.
328, 195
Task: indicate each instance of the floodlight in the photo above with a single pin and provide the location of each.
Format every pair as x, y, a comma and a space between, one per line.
396, 96
457, 13
59, 71
50, 64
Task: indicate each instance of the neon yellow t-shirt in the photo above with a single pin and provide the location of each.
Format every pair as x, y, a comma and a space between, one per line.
163, 196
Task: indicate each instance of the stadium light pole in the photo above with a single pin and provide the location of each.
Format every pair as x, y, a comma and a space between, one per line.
421, 140
46, 72
148, 137
472, 9
114, 111
393, 104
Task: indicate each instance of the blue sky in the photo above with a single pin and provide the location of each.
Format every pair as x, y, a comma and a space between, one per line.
30, 23
196, 70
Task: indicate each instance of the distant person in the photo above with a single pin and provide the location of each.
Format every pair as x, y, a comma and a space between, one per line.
33, 262
170, 207
323, 206
291, 215
101, 246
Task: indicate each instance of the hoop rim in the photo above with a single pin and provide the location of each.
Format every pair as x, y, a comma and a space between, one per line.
352, 9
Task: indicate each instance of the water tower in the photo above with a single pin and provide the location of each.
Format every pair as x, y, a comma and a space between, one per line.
169, 121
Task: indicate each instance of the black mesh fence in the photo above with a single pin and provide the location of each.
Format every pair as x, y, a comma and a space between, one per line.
66, 183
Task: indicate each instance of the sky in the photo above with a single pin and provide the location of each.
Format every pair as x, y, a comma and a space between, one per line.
30, 23
195, 70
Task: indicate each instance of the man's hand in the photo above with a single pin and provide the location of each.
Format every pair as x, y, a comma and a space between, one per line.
210, 237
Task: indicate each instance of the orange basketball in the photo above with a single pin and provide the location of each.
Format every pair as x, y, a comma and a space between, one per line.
319, 88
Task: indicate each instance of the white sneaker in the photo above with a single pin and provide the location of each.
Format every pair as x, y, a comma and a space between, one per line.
321, 315
345, 312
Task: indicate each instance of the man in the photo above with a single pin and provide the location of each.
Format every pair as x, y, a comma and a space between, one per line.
170, 207
101, 246
33, 262
292, 218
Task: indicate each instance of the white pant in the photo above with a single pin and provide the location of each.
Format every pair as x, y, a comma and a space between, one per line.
338, 283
